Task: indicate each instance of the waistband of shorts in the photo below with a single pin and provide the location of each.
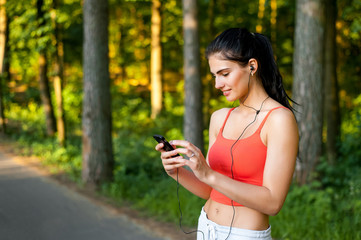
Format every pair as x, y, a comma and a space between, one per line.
236, 231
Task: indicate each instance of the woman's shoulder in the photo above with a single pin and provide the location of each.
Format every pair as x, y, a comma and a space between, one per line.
281, 117
280, 129
279, 112
220, 114
217, 119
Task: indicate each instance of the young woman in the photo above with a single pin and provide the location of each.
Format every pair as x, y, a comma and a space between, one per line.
252, 147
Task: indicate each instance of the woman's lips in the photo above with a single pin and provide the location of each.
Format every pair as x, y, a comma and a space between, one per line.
226, 92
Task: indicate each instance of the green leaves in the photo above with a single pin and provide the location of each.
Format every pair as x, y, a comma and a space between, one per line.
352, 14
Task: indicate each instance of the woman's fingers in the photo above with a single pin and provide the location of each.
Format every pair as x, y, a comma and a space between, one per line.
159, 147
171, 164
182, 143
172, 160
187, 149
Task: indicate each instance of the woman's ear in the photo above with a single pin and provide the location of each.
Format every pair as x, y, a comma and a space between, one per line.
253, 66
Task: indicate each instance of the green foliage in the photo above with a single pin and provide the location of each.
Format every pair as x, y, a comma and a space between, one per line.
349, 45
349, 160
29, 121
313, 213
352, 14
28, 129
353, 124
60, 160
139, 176
72, 95
330, 207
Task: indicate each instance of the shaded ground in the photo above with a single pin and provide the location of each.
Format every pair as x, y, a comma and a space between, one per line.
35, 204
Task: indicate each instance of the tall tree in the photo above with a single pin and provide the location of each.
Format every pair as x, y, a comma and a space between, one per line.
273, 23
209, 90
121, 37
59, 75
3, 40
97, 149
156, 59
193, 117
43, 73
332, 107
261, 8
307, 82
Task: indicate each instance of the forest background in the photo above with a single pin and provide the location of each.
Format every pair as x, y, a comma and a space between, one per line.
85, 85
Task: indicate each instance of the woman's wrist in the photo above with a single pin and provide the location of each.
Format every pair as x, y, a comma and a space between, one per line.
210, 177
173, 173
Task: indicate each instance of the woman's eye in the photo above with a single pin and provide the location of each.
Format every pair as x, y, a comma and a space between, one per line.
225, 74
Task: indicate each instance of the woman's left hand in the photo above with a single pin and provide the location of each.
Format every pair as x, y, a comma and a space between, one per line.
196, 161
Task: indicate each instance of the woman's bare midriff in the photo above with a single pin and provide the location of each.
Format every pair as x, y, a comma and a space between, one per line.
245, 218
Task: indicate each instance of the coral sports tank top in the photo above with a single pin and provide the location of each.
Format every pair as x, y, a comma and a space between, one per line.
249, 158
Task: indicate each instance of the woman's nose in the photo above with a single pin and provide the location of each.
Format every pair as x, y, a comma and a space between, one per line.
218, 83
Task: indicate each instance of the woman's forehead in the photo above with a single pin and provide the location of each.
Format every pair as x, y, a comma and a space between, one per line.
217, 63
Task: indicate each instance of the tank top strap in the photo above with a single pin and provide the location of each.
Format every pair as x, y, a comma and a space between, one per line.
264, 120
225, 120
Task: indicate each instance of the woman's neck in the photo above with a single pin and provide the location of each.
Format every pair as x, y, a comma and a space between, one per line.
254, 98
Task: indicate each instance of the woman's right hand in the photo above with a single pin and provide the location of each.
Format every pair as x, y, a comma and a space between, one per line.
169, 160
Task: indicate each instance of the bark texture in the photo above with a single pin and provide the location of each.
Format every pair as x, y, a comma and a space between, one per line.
59, 78
44, 80
332, 107
97, 149
307, 85
156, 59
3, 39
193, 117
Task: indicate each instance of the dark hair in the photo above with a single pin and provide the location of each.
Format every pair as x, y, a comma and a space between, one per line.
239, 45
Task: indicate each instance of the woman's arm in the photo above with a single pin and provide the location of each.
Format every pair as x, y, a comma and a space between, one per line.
185, 177
190, 182
282, 146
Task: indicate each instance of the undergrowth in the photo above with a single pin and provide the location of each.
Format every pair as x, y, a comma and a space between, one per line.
327, 208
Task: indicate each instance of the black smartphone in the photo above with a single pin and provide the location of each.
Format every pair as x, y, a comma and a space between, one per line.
161, 139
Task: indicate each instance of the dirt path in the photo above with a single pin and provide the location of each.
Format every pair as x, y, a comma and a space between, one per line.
35, 204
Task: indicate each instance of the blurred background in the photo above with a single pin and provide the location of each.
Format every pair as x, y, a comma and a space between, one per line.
85, 84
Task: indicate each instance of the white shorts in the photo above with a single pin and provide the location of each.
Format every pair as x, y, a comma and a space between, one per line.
209, 230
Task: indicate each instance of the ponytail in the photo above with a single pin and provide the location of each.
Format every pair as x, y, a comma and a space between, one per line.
268, 71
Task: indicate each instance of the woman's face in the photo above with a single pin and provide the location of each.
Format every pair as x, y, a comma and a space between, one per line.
230, 77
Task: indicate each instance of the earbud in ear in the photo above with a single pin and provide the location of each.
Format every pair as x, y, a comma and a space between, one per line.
252, 68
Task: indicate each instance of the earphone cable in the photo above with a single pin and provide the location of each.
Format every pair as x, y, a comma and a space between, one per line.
180, 212
231, 151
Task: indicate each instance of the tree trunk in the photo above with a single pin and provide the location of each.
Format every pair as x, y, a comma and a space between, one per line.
261, 7
121, 45
58, 79
209, 92
45, 95
307, 85
274, 25
332, 107
97, 149
44, 80
3, 39
156, 60
193, 117
211, 17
